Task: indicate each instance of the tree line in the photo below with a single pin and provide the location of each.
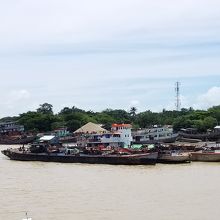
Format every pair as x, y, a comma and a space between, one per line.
43, 119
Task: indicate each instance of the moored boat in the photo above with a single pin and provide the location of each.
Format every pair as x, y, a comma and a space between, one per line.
155, 134
168, 156
209, 136
206, 156
20, 140
64, 157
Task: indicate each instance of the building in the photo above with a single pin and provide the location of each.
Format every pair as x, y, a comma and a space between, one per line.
94, 135
124, 132
61, 132
11, 127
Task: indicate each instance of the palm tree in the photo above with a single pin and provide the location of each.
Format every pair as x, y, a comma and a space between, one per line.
133, 111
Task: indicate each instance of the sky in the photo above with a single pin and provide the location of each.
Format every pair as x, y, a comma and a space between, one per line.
109, 54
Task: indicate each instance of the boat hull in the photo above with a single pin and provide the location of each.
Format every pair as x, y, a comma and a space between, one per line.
205, 156
212, 136
183, 158
18, 141
135, 159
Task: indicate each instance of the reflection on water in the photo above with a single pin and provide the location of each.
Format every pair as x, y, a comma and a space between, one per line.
78, 191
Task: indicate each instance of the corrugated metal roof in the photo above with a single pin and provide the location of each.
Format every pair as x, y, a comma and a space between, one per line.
47, 138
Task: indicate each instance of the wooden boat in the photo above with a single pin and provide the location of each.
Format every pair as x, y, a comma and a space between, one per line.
168, 156
206, 156
211, 136
26, 140
115, 159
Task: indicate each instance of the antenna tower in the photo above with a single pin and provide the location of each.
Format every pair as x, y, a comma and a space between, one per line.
177, 90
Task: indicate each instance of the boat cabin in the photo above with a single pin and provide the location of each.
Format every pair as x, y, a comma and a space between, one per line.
152, 134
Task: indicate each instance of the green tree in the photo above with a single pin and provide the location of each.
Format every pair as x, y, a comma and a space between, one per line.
182, 122
45, 108
65, 111
210, 122
147, 119
119, 115
215, 113
73, 125
133, 111
199, 125
37, 121
105, 119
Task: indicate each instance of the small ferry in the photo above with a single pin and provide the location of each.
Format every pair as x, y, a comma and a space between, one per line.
155, 134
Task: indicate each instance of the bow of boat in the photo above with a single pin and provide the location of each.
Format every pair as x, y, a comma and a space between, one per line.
6, 152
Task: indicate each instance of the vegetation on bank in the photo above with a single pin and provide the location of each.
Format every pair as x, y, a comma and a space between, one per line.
44, 119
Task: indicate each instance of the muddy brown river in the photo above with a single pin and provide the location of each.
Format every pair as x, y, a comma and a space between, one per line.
56, 191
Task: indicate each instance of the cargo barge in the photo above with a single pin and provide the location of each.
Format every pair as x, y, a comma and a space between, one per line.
114, 159
206, 156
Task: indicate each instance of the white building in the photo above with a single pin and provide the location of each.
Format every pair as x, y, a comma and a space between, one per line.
124, 130
7, 127
120, 135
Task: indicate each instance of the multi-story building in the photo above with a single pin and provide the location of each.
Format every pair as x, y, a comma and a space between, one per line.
120, 135
11, 127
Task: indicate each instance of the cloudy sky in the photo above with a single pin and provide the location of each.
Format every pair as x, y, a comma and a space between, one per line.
108, 54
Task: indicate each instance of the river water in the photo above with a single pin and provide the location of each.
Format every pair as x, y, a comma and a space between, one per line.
59, 191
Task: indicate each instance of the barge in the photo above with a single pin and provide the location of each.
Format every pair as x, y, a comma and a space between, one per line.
114, 159
206, 156
169, 156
